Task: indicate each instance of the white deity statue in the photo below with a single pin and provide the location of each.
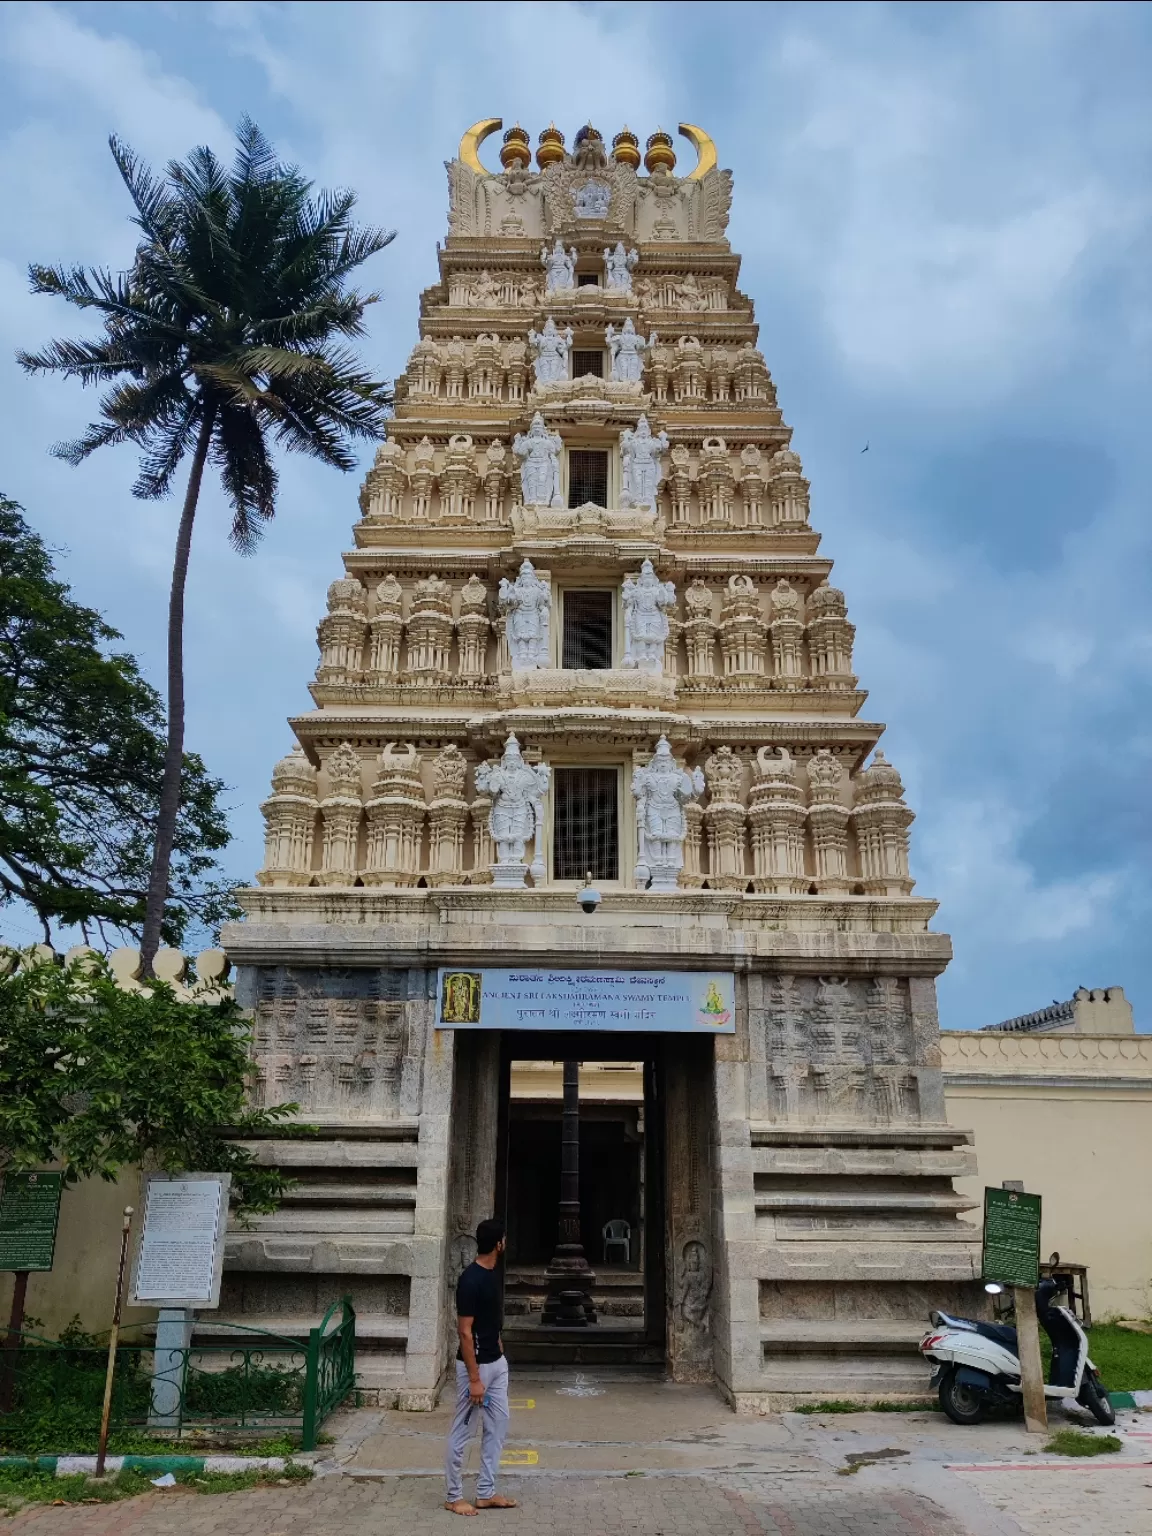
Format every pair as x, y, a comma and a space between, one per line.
618, 266
640, 458
527, 606
517, 814
645, 620
627, 347
592, 200
550, 349
559, 266
661, 791
539, 453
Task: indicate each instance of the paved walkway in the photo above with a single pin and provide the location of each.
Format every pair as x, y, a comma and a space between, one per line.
598, 1457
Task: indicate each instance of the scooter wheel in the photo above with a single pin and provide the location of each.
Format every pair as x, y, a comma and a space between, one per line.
961, 1403
1095, 1399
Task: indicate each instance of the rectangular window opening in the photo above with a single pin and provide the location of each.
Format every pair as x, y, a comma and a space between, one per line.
587, 631
587, 476
587, 280
585, 824
585, 362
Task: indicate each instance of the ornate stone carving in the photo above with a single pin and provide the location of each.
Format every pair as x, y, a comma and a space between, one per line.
455, 355
680, 486
787, 636
340, 810
515, 367
486, 368
752, 485
776, 817
495, 479
661, 790
720, 374
527, 606
447, 814
788, 492
688, 371
717, 483
458, 480
516, 818
472, 628
550, 349
619, 265
881, 820
752, 381
559, 268
341, 634
395, 818
483, 853
424, 369
699, 631
289, 822
627, 350
724, 820
828, 823
659, 370
430, 629
646, 600
640, 452
385, 628
591, 200
539, 453
383, 494
742, 634
422, 479
830, 638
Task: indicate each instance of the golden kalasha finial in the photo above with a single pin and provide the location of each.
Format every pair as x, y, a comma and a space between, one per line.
626, 149
551, 147
660, 152
517, 149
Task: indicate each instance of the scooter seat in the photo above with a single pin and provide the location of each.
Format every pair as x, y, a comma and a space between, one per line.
999, 1333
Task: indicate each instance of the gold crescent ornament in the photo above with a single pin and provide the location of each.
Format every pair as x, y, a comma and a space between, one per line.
703, 145
472, 140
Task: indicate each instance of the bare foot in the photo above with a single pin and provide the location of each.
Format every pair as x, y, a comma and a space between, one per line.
497, 1501
459, 1507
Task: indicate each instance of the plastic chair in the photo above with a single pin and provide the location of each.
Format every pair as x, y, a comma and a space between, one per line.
618, 1234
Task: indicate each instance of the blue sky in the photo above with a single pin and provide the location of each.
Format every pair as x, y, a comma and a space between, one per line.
943, 212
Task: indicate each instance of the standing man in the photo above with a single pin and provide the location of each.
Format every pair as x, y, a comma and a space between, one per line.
481, 1375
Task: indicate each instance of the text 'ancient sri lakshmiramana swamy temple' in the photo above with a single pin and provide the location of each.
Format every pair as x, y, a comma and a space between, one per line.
586, 632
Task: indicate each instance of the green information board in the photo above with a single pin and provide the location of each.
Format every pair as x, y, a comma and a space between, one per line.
1011, 1237
29, 1211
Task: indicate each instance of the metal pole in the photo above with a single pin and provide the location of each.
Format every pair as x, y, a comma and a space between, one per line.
570, 1278
12, 1339
113, 1339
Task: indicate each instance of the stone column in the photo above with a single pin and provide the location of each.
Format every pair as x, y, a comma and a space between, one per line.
385, 628
776, 816
570, 1278
289, 822
341, 634
828, 822
724, 818
341, 810
882, 820
395, 819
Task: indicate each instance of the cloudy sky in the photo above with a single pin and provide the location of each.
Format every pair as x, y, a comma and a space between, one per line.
943, 212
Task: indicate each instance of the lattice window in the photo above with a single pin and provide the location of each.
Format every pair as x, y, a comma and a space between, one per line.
585, 362
587, 631
587, 476
585, 823
587, 280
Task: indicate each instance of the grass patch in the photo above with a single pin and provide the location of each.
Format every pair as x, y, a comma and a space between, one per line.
843, 1405
1123, 1358
1075, 1442
26, 1485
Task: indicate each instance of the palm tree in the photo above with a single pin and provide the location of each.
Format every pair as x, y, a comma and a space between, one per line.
228, 330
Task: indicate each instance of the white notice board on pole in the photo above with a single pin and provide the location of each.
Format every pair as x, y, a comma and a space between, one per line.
180, 1256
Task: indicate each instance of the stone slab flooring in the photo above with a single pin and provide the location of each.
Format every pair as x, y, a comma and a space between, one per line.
593, 1456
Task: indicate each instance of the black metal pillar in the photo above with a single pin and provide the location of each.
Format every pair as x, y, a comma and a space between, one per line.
570, 1278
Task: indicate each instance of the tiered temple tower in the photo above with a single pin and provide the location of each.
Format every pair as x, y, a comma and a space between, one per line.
587, 531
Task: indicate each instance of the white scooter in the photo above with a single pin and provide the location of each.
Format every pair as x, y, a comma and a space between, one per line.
978, 1365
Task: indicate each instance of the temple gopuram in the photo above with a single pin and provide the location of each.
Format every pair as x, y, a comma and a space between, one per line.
586, 898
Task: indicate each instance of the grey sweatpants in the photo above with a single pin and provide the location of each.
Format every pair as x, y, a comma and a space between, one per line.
494, 1415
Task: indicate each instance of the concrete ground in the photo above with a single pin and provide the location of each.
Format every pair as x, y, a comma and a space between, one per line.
590, 1455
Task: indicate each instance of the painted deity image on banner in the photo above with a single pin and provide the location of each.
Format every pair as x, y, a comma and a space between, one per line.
460, 998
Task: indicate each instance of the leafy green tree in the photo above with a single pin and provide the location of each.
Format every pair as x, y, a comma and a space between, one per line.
229, 331
100, 1079
81, 757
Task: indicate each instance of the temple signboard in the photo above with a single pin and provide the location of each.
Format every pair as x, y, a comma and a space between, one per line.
674, 1002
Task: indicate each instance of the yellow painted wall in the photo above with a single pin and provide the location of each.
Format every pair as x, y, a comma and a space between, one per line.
83, 1278
1085, 1151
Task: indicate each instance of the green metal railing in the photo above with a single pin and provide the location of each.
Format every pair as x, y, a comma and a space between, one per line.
260, 1383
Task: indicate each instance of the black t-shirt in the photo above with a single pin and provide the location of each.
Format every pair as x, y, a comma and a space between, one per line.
478, 1297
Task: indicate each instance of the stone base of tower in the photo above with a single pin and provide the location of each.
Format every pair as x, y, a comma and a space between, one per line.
801, 1216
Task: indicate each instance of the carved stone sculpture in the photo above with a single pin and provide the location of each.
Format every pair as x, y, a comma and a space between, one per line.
385, 628
539, 453
550, 349
395, 818
619, 265
627, 347
646, 600
640, 455
661, 790
341, 809
516, 817
559, 267
289, 822
527, 606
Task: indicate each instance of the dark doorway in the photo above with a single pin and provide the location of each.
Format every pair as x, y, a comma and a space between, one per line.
621, 1182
